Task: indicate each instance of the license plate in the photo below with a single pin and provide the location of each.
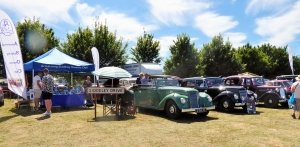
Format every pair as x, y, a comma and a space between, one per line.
200, 110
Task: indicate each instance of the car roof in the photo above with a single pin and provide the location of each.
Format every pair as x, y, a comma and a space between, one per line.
200, 78
244, 76
279, 81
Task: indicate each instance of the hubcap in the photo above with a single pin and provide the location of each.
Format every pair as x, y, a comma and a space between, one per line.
172, 109
225, 104
270, 101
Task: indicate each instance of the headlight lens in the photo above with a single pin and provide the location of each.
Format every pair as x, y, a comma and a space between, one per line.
209, 99
182, 100
236, 96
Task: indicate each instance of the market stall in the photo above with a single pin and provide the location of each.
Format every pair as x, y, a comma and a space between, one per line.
57, 61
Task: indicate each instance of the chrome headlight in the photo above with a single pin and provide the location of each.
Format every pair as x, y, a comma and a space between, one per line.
236, 96
209, 99
182, 100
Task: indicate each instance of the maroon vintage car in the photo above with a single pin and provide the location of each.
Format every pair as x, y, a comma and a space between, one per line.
271, 96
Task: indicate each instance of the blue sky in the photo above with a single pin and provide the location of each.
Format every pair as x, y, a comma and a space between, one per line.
255, 21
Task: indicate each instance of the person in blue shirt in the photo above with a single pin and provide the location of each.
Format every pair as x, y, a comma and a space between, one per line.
145, 79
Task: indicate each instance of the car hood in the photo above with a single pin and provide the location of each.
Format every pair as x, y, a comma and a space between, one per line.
175, 88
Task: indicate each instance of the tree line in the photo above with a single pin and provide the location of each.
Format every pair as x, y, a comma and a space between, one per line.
216, 58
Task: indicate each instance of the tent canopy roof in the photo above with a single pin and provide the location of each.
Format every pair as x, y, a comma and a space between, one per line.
56, 60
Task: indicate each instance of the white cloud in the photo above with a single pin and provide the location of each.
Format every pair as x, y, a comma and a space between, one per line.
233, 1
165, 43
255, 6
212, 24
127, 27
176, 11
280, 30
49, 12
235, 38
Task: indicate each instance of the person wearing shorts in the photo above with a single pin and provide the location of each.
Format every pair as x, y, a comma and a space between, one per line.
47, 90
37, 89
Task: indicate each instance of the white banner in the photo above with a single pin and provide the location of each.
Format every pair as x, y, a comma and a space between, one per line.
291, 60
95, 55
12, 56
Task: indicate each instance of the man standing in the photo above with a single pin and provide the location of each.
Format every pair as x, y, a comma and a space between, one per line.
37, 89
48, 83
145, 79
139, 79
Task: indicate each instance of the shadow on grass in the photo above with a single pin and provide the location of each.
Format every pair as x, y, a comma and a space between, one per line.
112, 118
5, 118
238, 111
184, 118
279, 107
42, 118
25, 112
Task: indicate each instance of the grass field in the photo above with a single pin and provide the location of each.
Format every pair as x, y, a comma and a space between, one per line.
76, 127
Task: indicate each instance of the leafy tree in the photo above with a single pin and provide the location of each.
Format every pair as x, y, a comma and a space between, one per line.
112, 51
184, 59
146, 50
219, 59
35, 39
254, 59
79, 44
278, 59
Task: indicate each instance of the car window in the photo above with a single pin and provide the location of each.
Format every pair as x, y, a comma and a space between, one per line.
258, 81
190, 83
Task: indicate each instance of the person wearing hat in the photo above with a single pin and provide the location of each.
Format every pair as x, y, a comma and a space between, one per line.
296, 90
139, 79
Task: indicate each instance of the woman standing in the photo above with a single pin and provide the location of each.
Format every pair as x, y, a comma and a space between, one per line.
47, 91
296, 90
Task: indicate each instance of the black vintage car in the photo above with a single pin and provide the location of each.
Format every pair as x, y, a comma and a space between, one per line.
271, 96
224, 97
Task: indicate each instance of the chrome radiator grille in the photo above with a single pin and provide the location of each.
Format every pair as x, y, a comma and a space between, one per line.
243, 94
194, 100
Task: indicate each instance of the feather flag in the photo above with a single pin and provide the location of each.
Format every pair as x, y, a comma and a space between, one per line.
291, 59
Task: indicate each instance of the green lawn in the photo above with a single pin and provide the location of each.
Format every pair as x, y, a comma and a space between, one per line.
76, 127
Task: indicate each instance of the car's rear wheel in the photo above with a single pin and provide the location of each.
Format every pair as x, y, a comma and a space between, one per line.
172, 110
203, 114
271, 102
226, 104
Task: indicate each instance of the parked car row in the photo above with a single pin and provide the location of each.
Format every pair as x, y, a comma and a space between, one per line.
201, 94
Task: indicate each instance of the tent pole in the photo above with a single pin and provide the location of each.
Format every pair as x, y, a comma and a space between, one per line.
71, 78
32, 78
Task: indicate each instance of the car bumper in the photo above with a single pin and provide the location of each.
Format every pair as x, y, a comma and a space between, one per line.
195, 109
281, 101
239, 104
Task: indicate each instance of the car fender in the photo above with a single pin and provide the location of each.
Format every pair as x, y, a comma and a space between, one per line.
269, 93
173, 96
223, 94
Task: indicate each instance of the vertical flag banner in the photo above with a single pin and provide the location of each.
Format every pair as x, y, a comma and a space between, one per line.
95, 55
12, 56
291, 60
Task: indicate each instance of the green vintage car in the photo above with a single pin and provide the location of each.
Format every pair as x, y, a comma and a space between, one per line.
164, 93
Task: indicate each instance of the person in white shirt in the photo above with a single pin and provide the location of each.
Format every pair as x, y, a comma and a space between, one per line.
37, 88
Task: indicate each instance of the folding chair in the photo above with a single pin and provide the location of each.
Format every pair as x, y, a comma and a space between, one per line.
109, 104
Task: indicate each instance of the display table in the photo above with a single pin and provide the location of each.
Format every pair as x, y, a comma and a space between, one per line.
66, 100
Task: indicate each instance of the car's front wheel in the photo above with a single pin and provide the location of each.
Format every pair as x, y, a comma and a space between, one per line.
172, 110
271, 102
203, 114
226, 104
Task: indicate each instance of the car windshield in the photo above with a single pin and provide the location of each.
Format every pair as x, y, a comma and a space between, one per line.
167, 82
287, 83
258, 81
214, 82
